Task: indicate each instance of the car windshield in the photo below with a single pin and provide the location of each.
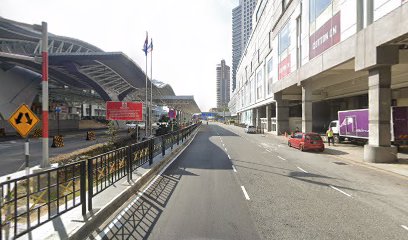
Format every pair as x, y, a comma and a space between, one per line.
314, 137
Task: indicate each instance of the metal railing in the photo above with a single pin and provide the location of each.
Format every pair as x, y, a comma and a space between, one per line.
30, 201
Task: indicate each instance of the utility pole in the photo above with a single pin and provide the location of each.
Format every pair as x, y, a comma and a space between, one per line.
44, 53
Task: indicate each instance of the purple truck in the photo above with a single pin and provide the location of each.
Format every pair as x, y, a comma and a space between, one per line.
353, 124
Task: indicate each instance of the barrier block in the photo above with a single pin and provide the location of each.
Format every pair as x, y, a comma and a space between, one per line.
57, 141
90, 135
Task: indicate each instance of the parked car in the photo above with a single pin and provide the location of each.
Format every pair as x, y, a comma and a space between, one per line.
250, 129
131, 125
306, 141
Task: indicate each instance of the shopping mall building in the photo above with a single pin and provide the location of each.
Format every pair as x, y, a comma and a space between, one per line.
308, 59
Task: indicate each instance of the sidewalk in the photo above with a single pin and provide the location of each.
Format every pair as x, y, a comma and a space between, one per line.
355, 154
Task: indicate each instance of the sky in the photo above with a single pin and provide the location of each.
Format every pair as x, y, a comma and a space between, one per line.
190, 36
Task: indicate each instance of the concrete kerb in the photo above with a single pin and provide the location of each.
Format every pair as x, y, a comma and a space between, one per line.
110, 208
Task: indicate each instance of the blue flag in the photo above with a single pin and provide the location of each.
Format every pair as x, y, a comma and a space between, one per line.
151, 45
146, 45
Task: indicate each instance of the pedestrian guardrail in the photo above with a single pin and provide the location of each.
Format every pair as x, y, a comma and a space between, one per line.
33, 200
30, 201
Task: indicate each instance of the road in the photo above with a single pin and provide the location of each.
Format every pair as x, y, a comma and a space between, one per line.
231, 185
12, 156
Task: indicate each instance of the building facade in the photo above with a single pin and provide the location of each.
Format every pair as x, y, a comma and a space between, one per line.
308, 59
241, 30
223, 84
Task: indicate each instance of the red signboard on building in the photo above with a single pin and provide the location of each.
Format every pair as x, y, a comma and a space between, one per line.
325, 37
284, 67
126, 111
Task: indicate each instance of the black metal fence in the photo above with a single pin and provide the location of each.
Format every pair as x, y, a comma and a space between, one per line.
32, 200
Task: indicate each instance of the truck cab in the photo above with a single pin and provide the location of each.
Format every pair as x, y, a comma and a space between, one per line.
334, 126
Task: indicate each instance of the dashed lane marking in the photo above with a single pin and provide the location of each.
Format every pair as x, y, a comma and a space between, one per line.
229, 157
245, 193
226, 149
404, 227
234, 169
268, 150
281, 158
348, 195
301, 169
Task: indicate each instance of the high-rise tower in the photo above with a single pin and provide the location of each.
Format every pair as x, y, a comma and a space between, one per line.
241, 30
223, 84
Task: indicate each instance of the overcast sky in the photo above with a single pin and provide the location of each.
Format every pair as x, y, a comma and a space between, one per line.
190, 36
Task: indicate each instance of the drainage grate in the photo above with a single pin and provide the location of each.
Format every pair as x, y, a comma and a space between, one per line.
340, 163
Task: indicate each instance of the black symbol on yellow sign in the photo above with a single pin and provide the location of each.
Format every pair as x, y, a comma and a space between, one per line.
23, 120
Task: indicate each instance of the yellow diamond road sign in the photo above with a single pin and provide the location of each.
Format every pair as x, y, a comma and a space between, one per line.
23, 120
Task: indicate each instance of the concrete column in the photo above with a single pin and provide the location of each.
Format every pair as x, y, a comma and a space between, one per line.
254, 117
268, 117
282, 114
379, 99
360, 15
258, 117
307, 108
90, 110
370, 12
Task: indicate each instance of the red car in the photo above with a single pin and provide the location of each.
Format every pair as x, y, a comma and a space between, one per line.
306, 141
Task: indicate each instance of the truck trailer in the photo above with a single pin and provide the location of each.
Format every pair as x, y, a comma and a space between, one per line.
353, 125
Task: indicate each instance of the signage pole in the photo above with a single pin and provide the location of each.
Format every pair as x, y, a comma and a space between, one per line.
44, 46
27, 155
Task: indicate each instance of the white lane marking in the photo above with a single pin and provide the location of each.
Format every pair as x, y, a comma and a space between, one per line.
340, 191
301, 169
223, 145
259, 145
245, 193
281, 158
268, 150
404, 227
229, 157
234, 169
226, 149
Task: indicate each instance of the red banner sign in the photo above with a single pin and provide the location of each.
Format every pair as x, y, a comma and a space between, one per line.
126, 111
172, 114
284, 67
325, 37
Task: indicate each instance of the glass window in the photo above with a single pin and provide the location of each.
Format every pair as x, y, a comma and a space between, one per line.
284, 38
270, 76
316, 7
259, 84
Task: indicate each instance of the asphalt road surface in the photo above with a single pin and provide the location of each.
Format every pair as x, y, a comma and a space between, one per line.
12, 156
232, 185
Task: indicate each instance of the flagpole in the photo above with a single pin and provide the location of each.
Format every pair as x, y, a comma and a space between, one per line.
151, 87
146, 120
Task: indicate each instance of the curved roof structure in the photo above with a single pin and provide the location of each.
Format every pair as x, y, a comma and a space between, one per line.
72, 62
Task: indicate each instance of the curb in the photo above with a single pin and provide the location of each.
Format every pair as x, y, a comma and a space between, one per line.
100, 217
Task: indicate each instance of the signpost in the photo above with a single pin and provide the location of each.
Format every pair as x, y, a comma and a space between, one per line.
24, 120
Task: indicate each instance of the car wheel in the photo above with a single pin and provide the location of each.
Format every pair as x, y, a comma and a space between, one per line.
321, 149
290, 145
302, 148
